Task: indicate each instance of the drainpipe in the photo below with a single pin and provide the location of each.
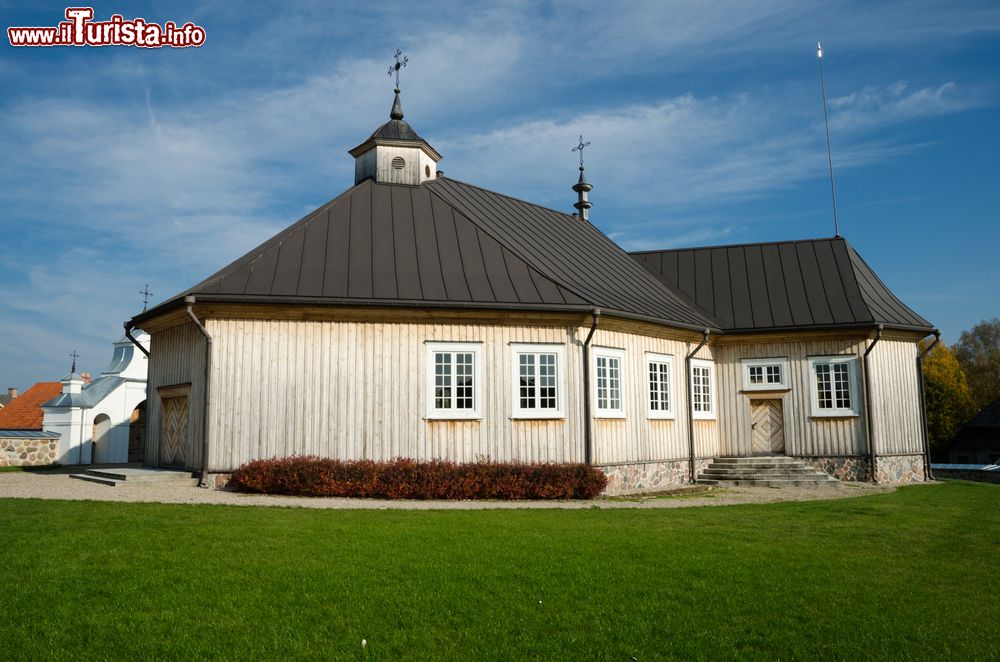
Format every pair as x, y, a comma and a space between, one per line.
869, 421
190, 300
128, 334
928, 475
690, 401
587, 440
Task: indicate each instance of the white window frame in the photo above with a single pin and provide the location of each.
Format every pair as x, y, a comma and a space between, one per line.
474, 348
516, 351
660, 414
608, 353
781, 362
852, 384
703, 415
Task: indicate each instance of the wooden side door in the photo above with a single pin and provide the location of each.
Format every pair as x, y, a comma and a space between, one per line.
767, 427
173, 433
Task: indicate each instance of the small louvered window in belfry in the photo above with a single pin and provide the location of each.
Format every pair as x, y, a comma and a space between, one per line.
398, 163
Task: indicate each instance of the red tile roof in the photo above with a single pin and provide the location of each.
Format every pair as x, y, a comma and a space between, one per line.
25, 412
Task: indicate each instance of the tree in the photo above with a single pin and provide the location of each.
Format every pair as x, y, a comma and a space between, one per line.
978, 351
949, 402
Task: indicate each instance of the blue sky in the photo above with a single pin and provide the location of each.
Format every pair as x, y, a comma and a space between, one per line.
124, 166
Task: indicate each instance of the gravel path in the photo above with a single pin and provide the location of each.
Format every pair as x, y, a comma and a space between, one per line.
33, 485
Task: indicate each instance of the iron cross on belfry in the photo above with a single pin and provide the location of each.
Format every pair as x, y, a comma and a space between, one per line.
145, 296
579, 148
400, 63
73, 356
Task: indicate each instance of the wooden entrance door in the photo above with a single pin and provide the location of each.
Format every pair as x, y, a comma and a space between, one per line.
173, 432
767, 427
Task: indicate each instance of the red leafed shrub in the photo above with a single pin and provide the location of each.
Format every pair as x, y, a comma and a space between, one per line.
409, 479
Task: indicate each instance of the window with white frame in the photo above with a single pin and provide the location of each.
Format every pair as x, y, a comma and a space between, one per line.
660, 385
702, 389
538, 381
453, 383
834, 385
765, 374
609, 399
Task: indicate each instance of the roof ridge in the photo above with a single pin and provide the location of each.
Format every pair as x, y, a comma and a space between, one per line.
745, 245
506, 246
678, 292
855, 259
698, 312
507, 250
504, 195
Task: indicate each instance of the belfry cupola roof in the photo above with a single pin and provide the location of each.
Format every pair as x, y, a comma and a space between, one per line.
396, 128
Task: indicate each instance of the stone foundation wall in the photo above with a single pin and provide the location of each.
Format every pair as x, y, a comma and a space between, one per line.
891, 468
218, 481
848, 469
28, 452
900, 468
648, 476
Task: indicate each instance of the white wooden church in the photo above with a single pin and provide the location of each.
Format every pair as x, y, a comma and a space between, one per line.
415, 315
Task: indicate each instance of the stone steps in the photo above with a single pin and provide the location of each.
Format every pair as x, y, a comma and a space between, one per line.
765, 471
138, 476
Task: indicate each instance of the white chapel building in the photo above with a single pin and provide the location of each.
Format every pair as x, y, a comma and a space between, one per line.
102, 422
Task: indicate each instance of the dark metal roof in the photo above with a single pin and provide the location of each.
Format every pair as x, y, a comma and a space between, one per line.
817, 283
444, 244
572, 252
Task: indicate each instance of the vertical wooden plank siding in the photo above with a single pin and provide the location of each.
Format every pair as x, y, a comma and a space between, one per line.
637, 438
177, 356
357, 390
804, 434
896, 397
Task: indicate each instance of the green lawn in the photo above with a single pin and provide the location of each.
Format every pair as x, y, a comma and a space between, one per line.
914, 574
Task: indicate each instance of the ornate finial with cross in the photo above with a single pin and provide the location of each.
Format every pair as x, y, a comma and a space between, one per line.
73, 355
579, 148
400, 63
145, 296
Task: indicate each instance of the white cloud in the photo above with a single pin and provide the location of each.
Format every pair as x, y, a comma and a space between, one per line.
872, 107
160, 170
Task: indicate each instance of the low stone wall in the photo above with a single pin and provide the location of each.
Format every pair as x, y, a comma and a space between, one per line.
28, 451
900, 468
648, 476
